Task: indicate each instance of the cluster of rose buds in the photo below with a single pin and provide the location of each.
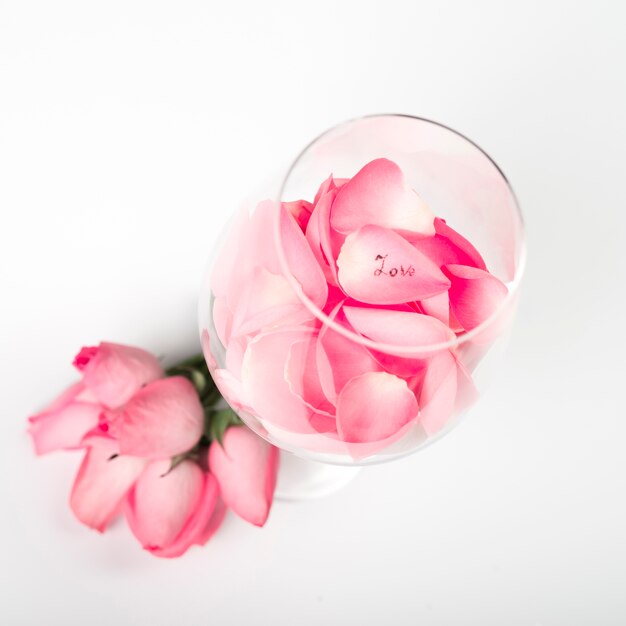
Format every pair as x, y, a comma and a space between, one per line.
159, 449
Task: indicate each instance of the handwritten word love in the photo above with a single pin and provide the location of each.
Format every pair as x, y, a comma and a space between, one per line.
394, 271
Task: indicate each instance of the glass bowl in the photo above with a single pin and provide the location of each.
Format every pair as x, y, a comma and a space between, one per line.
355, 308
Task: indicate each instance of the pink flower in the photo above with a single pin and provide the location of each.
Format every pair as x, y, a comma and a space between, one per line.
114, 373
171, 509
111, 375
141, 456
122, 393
370, 254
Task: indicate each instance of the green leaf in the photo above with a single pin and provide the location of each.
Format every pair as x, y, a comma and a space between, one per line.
176, 460
220, 421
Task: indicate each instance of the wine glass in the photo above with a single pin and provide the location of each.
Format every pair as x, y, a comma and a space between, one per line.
355, 308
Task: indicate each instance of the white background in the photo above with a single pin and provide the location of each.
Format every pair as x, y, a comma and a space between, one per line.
130, 130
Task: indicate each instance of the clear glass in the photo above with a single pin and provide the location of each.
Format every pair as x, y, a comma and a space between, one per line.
310, 336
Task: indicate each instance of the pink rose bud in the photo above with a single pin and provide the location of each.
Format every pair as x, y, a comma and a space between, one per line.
114, 373
169, 510
245, 467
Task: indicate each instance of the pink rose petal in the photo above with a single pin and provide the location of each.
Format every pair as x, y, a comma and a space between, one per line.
378, 195
63, 428
325, 187
374, 406
232, 389
163, 419
215, 518
201, 525
437, 306
102, 482
302, 375
438, 394
474, 294
465, 251
449, 247
71, 393
258, 246
234, 355
323, 241
339, 359
405, 367
363, 450
378, 266
300, 210
222, 319
398, 328
266, 388
245, 467
301, 261
162, 500
268, 300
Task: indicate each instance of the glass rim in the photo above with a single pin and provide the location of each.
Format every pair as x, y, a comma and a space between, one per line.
406, 350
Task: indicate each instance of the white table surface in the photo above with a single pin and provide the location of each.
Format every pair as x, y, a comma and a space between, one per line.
128, 130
